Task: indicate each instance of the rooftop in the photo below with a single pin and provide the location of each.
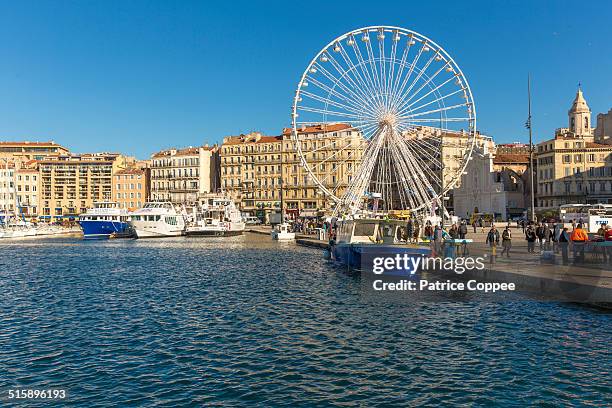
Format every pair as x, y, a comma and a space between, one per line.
334, 127
511, 158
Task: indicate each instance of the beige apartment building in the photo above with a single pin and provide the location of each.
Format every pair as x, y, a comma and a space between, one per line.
183, 175
131, 187
251, 169
8, 202
25, 151
69, 184
27, 185
575, 166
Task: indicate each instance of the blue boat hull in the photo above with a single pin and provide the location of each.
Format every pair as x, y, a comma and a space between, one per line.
99, 229
360, 257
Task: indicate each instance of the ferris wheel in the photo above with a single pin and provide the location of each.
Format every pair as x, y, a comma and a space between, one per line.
394, 115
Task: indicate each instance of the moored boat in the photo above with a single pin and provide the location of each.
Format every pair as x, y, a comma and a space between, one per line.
360, 241
105, 219
157, 220
215, 216
282, 232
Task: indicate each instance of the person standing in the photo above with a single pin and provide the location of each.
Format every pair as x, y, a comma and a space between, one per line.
417, 230
428, 231
506, 242
555, 237
493, 241
608, 238
540, 234
530, 236
438, 240
474, 225
453, 232
564, 240
410, 230
579, 239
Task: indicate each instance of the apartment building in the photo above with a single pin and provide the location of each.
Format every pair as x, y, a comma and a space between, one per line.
251, 167
27, 186
26, 151
131, 187
183, 175
69, 184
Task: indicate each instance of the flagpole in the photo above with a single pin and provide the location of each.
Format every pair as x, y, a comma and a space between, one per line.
531, 167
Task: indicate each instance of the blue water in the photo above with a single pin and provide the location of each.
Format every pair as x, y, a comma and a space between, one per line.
243, 321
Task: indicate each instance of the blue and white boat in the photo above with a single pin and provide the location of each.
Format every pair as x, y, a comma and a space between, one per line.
105, 220
360, 241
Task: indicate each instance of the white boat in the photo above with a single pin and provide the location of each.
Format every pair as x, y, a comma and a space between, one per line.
282, 232
215, 216
158, 219
18, 229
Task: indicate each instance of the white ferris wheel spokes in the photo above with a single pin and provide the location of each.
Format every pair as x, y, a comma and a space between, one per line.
387, 101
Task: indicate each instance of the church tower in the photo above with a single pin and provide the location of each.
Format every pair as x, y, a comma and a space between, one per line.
580, 116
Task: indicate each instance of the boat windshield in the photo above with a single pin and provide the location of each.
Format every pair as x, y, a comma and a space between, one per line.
365, 229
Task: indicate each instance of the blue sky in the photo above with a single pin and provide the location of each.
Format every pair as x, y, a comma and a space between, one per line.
139, 76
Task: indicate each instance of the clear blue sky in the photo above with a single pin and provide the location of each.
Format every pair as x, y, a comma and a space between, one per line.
138, 76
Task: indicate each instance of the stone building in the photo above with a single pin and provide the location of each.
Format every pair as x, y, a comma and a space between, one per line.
183, 175
491, 188
8, 202
575, 166
27, 184
603, 132
131, 187
251, 169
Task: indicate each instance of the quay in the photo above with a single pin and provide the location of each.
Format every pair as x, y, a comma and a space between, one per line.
586, 283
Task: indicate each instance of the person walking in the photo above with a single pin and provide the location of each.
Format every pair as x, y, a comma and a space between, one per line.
547, 236
579, 239
493, 241
564, 240
463, 230
506, 242
474, 225
530, 236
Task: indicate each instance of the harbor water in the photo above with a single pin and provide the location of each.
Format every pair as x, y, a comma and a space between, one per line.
187, 322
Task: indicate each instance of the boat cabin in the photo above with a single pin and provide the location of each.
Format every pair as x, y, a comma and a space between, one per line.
373, 231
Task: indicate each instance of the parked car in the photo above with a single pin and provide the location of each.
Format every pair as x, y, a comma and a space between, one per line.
252, 221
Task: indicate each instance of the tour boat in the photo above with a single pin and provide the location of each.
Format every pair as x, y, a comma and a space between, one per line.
158, 219
282, 232
215, 216
104, 220
359, 241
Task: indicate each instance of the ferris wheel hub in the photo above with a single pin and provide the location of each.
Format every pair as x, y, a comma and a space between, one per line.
388, 119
